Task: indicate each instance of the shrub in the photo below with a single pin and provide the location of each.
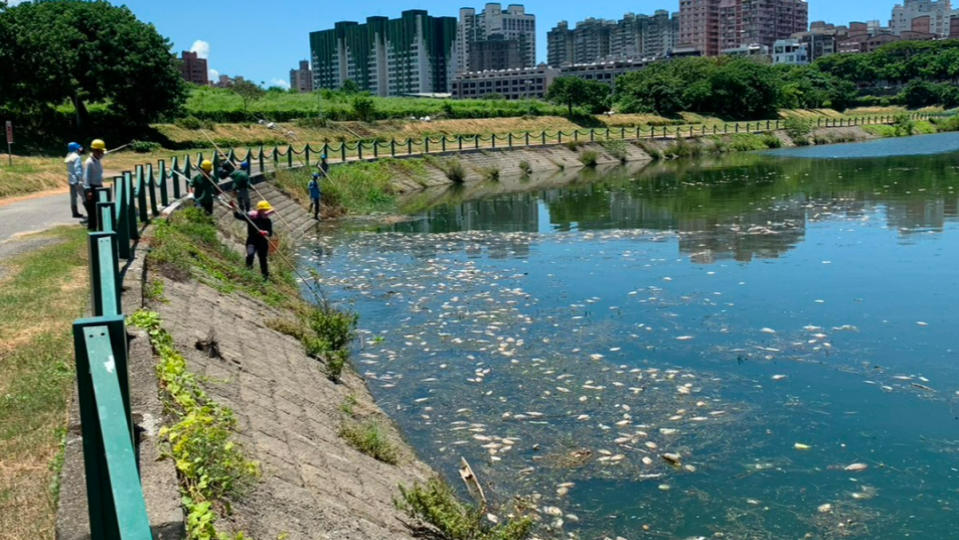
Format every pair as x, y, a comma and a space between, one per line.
525, 167
950, 123
435, 503
650, 149
904, 125
798, 129
334, 364
364, 108
454, 170
335, 327
771, 141
144, 147
589, 158
189, 122
368, 437
489, 173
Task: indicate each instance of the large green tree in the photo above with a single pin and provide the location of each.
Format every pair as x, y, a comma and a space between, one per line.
576, 92
57, 51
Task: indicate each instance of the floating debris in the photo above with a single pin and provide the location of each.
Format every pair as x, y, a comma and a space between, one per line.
801, 446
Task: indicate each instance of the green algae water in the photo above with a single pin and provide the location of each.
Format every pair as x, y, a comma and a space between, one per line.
761, 346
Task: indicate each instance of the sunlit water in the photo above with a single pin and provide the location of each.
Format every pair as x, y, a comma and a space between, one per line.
786, 326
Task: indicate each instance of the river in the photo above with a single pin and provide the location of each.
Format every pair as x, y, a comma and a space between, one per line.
781, 326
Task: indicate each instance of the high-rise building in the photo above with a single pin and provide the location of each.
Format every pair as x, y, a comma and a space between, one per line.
301, 79
699, 25
193, 68
633, 37
939, 13
712, 26
415, 54
512, 25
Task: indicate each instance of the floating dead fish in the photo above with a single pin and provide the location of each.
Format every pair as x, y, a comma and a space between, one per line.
767, 330
673, 459
855, 467
824, 508
778, 377
802, 446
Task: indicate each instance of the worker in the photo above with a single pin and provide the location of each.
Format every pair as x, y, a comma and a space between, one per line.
259, 228
93, 181
202, 185
314, 187
241, 185
75, 176
324, 166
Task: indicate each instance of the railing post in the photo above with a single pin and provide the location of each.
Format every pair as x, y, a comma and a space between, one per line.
174, 168
426, 145
493, 138
576, 135
443, 143
131, 207
261, 158
592, 135
459, 141
409, 146
103, 250
509, 139
476, 141
306, 151
123, 218
289, 156
152, 191
376, 147
359, 150
343, 151
543, 136
142, 196
527, 138
393, 147
559, 136
164, 195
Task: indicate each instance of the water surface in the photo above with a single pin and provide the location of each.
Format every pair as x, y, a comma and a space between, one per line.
785, 325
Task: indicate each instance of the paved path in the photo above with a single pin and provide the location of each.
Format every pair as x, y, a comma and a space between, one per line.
32, 213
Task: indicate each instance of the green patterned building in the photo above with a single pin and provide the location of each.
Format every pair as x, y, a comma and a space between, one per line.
414, 54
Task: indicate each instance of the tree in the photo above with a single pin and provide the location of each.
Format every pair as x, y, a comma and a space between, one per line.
248, 91
84, 52
350, 87
573, 91
364, 108
919, 94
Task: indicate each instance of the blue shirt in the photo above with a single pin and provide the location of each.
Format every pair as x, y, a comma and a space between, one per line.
314, 189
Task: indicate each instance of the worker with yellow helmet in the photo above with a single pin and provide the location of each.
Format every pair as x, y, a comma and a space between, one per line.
259, 229
93, 180
203, 186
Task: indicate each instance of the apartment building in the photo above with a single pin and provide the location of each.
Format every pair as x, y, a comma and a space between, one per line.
604, 72
595, 40
301, 79
511, 25
193, 68
414, 54
791, 52
712, 26
931, 16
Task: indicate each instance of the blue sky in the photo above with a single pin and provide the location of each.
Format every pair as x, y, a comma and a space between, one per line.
262, 41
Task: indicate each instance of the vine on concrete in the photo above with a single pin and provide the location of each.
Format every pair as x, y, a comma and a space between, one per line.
211, 466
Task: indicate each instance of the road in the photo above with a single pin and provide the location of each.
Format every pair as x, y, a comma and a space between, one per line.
32, 213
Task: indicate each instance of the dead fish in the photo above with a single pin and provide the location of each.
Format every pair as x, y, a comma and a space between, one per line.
855, 467
673, 459
824, 508
802, 446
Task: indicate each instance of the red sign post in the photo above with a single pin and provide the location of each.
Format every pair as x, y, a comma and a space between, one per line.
9, 142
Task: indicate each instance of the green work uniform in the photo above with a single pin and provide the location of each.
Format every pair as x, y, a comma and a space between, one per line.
241, 184
203, 192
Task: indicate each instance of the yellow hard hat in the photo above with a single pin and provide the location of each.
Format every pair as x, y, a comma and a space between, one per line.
207, 165
98, 144
264, 206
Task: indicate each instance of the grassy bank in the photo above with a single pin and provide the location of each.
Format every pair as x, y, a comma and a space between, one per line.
42, 292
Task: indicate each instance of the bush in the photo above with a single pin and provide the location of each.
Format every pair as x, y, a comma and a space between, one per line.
144, 147
950, 123
337, 328
589, 158
436, 504
771, 141
454, 170
364, 108
904, 125
189, 122
489, 173
525, 167
617, 149
798, 129
368, 437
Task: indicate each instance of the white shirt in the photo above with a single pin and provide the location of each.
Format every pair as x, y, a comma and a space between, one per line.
92, 173
74, 168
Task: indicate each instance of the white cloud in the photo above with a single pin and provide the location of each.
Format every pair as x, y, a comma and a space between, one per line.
214, 75
201, 48
281, 83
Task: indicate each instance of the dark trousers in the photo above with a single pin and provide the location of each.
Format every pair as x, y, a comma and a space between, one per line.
260, 250
243, 199
315, 206
206, 205
90, 203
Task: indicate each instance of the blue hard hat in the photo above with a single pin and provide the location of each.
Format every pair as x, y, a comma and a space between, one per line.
245, 165
73, 147
323, 156
316, 175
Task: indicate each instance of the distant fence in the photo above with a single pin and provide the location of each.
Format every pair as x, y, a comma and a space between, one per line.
288, 156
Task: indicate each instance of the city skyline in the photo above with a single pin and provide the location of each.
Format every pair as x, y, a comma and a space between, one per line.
262, 45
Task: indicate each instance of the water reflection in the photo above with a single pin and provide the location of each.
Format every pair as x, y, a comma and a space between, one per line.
739, 207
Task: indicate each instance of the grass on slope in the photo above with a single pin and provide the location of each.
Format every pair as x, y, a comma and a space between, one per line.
41, 292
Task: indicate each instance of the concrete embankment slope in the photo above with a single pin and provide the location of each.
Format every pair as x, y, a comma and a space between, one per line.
289, 414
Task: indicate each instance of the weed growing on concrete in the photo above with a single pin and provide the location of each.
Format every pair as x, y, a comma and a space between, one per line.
212, 467
348, 403
154, 291
489, 173
454, 170
617, 149
651, 150
525, 167
435, 504
368, 437
589, 158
